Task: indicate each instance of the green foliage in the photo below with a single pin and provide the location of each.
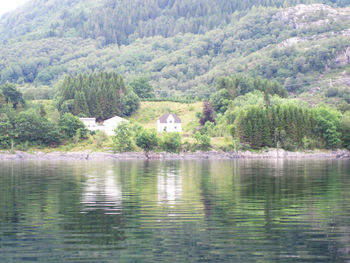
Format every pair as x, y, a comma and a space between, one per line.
171, 142
345, 130
70, 125
232, 129
291, 127
147, 140
2, 99
327, 123
220, 101
283, 125
39, 93
130, 103
123, 140
216, 38
77, 136
100, 138
11, 94
30, 127
202, 141
231, 88
142, 87
209, 128
6, 131
100, 95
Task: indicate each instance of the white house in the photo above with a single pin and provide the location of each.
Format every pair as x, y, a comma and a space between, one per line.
112, 123
169, 123
91, 124
108, 126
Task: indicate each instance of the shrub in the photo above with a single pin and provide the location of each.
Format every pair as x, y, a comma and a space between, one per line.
171, 142
100, 138
203, 141
332, 92
345, 129
123, 141
147, 140
327, 125
70, 124
32, 128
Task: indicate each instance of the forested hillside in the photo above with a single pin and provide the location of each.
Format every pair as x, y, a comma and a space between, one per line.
181, 46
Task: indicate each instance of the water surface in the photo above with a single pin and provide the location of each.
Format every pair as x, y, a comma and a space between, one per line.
175, 211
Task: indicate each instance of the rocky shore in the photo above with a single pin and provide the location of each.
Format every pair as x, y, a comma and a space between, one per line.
270, 154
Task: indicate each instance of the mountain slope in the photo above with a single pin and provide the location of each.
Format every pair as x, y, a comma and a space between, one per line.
302, 46
123, 21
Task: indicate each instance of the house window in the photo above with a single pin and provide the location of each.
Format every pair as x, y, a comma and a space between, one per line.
175, 127
170, 121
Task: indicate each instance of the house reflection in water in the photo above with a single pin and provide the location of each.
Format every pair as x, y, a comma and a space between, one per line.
169, 188
102, 192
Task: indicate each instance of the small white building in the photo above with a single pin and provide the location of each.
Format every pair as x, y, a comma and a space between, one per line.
90, 124
169, 123
108, 126
112, 123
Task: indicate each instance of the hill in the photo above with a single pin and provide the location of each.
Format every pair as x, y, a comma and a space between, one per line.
181, 46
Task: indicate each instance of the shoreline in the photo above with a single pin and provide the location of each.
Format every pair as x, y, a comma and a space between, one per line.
211, 155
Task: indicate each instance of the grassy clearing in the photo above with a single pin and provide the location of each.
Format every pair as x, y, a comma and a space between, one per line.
150, 111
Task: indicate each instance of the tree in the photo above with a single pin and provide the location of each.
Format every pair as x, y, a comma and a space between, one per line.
100, 95
142, 87
208, 113
203, 141
12, 95
220, 101
130, 103
6, 131
327, 125
171, 142
123, 141
2, 99
30, 127
70, 124
147, 140
345, 130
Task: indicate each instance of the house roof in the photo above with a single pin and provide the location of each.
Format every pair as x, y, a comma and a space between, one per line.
164, 118
87, 119
116, 118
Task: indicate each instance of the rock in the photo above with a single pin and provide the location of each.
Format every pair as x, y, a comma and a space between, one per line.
87, 156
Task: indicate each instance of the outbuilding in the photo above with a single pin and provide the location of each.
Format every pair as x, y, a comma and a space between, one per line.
108, 126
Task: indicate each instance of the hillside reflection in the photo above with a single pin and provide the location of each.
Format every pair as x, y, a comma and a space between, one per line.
148, 211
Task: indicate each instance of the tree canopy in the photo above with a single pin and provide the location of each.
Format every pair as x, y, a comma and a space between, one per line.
99, 95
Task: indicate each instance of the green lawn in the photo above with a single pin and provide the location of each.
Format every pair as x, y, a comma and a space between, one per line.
150, 111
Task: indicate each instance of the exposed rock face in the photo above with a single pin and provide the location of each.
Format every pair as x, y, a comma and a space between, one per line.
343, 59
314, 15
271, 154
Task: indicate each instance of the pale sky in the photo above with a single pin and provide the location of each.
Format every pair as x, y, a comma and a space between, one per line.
9, 5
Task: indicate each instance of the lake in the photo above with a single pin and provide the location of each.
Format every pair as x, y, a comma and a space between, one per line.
175, 211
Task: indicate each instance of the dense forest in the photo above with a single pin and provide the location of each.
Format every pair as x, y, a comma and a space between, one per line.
121, 22
182, 48
99, 95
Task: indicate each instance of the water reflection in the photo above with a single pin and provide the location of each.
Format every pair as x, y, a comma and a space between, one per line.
169, 187
175, 211
102, 191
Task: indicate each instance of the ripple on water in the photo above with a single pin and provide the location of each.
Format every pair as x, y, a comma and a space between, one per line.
176, 211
